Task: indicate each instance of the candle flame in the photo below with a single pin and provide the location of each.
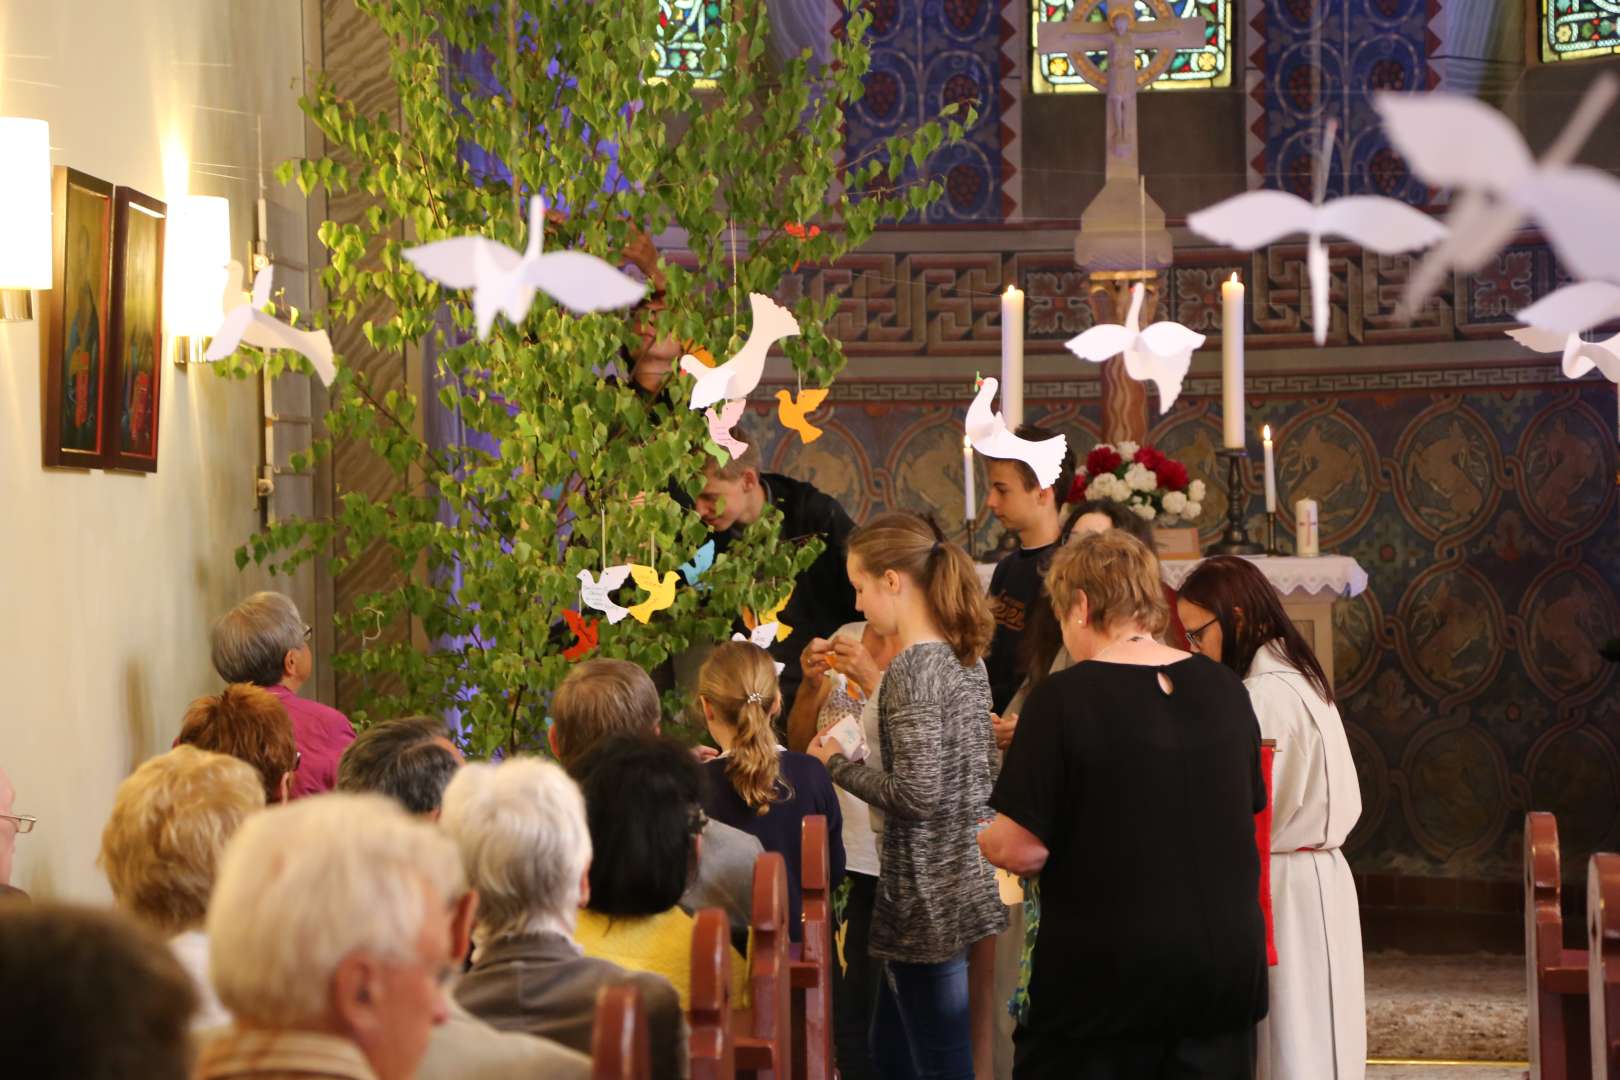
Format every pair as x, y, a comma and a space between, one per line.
1265, 433
1234, 279
967, 443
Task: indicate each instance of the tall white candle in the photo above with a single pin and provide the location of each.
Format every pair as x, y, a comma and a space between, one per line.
970, 504
1232, 362
1271, 471
1012, 356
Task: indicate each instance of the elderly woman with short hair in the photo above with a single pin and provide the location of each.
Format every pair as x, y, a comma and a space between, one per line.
162, 844
526, 847
1131, 787
265, 641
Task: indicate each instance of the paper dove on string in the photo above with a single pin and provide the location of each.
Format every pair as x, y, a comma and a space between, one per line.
1162, 352
702, 561
596, 592
991, 437
1456, 142
247, 324
1575, 308
504, 281
756, 622
584, 630
737, 377
660, 593
794, 413
1257, 218
762, 635
1580, 356
721, 423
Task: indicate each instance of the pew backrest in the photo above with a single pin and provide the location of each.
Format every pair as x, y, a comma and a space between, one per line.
619, 1045
712, 1048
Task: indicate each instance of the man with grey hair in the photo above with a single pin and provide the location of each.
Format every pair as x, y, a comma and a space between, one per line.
409, 759
264, 641
526, 848
330, 940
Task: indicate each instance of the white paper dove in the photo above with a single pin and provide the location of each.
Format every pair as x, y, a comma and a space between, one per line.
991, 437
1257, 218
1574, 309
1580, 356
504, 281
1457, 142
596, 591
763, 636
247, 324
721, 423
1161, 353
737, 377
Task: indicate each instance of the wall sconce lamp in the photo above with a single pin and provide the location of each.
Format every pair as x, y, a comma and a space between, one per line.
199, 258
25, 214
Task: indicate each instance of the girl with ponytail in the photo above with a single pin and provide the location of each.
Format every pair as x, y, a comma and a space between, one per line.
937, 896
755, 784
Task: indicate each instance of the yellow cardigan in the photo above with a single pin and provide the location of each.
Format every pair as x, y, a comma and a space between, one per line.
660, 944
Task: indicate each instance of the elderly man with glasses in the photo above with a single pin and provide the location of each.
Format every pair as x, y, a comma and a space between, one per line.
265, 641
11, 824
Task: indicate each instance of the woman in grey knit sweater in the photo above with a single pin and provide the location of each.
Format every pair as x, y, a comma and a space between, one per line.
936, 894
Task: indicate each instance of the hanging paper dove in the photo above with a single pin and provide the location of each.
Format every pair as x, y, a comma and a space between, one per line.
596, 591
1579, 356
794, 413
721, 423
756, 621
660, 593
1161, 353
1457, 142
1574, 309
762, 636
504, 281
247, 324
586, 632
702, 560
990, 437
1257, 218
737, 377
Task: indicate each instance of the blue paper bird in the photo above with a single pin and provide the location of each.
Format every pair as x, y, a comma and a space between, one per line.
700, 563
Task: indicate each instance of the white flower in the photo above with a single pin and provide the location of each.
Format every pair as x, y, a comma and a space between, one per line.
1175, 502
1127, 449
1141, 478
1192, 510
1195, 491
1144, 511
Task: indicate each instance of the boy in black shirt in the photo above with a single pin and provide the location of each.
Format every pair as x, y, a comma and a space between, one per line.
1034, 514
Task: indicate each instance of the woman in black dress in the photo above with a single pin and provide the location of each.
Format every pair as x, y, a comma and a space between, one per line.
1131, 788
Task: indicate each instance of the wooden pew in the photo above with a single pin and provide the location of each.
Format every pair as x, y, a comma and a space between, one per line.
619, 1046
812, 964
713, 1051
1603, 966
1559, 1045
764, 1031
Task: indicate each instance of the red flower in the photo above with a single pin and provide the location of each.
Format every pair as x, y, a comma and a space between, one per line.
1150, 457
1077, 489
1103, 459
1172, 475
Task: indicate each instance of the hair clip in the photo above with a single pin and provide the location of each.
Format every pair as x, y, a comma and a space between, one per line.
756, 698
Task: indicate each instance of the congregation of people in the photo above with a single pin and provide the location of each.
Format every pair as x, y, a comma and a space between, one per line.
1040, 802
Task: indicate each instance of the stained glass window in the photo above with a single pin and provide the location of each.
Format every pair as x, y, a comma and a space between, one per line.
1577, 29
1208, 65
685, 24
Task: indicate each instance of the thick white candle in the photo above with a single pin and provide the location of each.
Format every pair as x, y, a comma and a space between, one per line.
1012, 356
1271, 471
970, 504
1306, 539
1232, 362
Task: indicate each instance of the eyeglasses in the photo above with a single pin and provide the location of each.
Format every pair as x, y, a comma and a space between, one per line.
1195, 637
23, 822
309, 631
298, 757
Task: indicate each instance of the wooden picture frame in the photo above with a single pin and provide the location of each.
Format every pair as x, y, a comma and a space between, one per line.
75, 358
135, 368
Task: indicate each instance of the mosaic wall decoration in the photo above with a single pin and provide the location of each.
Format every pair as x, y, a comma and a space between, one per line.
1206, 66
1578, 29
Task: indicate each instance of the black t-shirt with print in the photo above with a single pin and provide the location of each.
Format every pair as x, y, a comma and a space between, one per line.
1015, 585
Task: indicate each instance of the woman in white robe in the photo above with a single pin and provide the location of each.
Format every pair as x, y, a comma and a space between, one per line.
1317, 1028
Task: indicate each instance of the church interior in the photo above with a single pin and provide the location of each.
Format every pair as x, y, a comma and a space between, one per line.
1287, 247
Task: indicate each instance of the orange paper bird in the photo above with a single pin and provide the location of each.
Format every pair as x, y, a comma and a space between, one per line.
792, 413
583, 629
752, 620
660, 594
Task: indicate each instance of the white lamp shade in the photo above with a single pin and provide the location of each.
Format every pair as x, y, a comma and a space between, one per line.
25, 203
198, 256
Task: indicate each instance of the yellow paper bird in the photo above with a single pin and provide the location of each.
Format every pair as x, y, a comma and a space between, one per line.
660, 594
752, 620
792, 413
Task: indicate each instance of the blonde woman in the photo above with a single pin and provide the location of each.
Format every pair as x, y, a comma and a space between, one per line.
755, 785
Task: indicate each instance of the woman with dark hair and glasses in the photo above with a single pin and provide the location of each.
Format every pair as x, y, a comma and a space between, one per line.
1317, 1026
644, 806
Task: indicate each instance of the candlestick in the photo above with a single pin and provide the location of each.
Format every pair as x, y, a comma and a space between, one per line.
970, 504
1232, 362
1271, 470
1012, 356
1271, 532
1306, 539
1235, 540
